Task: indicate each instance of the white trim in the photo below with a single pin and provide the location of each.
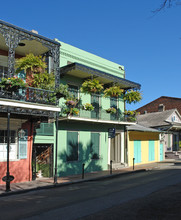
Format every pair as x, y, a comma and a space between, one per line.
17, 104
122, 147
96, 120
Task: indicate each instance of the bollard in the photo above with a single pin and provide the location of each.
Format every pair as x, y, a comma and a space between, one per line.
83, 170
111, 167
133, 162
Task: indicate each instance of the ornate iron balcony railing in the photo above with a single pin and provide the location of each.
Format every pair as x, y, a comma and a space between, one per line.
29, 94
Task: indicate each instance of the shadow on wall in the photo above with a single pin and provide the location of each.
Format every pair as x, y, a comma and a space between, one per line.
71, 162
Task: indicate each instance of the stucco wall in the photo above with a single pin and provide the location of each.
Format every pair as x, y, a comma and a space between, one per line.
144, 137
22, 168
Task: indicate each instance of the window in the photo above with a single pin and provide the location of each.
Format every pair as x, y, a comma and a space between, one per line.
95, 144
18, 148
3, 72
72, 146
3, 145
23, 146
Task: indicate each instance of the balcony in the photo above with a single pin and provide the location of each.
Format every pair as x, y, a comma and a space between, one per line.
29, 94
98, 114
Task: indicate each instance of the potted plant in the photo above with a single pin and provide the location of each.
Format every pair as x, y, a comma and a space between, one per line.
31, 65
62, 91
71, 111
12, 84
91, 86
132, 96
88, 107
111, 110
130, 115
114, 91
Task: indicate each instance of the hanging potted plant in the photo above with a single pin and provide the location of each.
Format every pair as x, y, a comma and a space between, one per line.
88, 107
111, 110
114, 91
132, 96
91, 86
130, 115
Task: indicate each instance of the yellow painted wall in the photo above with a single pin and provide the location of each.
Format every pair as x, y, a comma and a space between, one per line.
144, 137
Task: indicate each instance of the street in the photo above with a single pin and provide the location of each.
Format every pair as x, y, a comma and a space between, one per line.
144, 195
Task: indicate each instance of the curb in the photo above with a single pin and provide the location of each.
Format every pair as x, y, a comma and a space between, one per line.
99, 178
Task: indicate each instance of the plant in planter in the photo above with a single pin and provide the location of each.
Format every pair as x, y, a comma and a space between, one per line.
114, 91
62, 91
12, 84
88, 107
132, 96
71, 111
31, 65
111, 110
131, 115
91, 86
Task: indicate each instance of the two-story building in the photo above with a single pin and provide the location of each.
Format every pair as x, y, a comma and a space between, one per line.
21, 109
84, 138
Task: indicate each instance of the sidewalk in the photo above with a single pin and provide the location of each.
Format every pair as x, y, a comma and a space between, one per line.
43, 183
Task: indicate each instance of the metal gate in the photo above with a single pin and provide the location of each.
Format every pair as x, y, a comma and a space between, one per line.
42, 161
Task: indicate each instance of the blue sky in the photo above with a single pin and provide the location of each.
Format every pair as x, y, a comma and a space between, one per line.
123, 31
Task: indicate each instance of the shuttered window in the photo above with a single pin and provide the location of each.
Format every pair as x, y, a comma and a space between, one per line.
95, 141
45, 129
72, 146
23, 146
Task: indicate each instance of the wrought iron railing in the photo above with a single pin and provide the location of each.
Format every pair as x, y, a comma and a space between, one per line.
99, 114
29, 94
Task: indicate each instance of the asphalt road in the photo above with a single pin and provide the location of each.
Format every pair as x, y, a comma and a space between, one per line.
117, 198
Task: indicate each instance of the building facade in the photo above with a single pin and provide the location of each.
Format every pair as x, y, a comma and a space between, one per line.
84, 139
21, 108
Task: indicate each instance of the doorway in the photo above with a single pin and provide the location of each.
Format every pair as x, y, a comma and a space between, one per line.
115, 151
42, 161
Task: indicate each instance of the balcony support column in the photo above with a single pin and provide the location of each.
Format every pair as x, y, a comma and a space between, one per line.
12, 39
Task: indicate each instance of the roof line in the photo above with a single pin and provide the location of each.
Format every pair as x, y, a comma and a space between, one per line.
136, 85
29, 32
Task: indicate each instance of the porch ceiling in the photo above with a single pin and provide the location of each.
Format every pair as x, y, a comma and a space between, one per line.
83, 72
31, 46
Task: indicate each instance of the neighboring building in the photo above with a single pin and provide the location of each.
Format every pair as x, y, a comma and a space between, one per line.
157, 105
168, 121
84, 138
21, 110
144, 145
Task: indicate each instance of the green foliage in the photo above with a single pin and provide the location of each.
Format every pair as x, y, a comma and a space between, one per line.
44, 81
114, 91
71, 111
111, 110
132, 96
30, 62
12, 84
88, 107
31, 65
62, 91
131, 115
91, 86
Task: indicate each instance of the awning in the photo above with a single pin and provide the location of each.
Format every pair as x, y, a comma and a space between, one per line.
82, 71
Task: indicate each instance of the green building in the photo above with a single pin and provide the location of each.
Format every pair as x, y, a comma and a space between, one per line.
93, 138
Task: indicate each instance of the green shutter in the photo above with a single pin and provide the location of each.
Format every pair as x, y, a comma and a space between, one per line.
72, 146
23, 146
95, 145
